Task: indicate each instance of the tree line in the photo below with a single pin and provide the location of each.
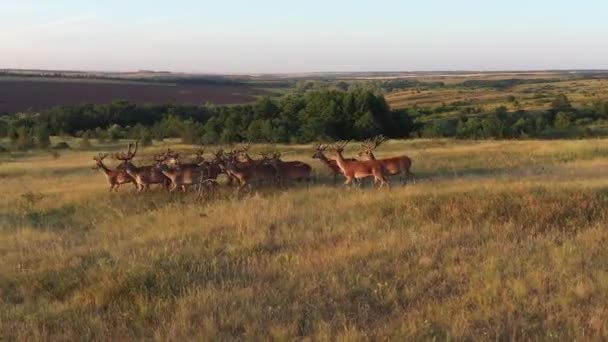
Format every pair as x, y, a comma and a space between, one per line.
297, 117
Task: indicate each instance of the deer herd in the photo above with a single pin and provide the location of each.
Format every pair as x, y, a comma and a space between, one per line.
171, 172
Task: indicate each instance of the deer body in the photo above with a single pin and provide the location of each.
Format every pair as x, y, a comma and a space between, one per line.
400, 165
246, 173
290, 170
395, 165
331, 164
360, 169
183, 175
144, 176
115, 177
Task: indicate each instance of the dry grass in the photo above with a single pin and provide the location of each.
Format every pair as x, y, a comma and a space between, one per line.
529, 96
497, 240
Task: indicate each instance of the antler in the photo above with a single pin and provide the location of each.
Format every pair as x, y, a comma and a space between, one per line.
340, 145
319, 147
135, 151
127, 156
100, 157
377, 141
201, 151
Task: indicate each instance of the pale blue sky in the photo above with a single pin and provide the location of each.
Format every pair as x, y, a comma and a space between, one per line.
238, 36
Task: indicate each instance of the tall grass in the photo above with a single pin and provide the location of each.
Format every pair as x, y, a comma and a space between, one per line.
497, 240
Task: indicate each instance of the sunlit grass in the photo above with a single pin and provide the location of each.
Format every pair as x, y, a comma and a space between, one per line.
496, 240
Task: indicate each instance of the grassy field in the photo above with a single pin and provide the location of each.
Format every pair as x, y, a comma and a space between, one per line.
537, 96
496, 241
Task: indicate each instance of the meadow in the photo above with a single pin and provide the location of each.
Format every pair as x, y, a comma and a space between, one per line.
497, 240
530, 97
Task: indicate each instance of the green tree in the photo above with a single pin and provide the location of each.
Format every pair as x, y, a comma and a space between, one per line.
540, 123
563, 120
492, 127
24, 140
145, 137
561, 103
260, 131
43, 137
366, 126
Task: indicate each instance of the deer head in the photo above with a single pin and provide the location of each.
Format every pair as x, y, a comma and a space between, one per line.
200, 155
339, 146
319, 151
370, 145
99, 161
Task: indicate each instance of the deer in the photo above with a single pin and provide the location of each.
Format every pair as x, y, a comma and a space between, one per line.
400, 165
246, 173
115, 177
359, 169
145, 175
184, 175
331, 164
290, 170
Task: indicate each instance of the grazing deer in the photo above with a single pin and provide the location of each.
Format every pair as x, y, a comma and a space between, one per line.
115, 177
400, 165
360, 168
290, 170
332, 164
145, 175
246, 173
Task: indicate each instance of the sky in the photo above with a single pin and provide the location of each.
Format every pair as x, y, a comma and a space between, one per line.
282, 36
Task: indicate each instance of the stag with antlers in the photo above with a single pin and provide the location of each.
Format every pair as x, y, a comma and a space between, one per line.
400, 165
145, 175
359, 169
331, 164
115, 177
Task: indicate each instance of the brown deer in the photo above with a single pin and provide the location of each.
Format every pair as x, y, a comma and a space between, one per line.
184, 175
400, 165
247, 173
359, 169
331, 164
145, 175
290, 170
115, 177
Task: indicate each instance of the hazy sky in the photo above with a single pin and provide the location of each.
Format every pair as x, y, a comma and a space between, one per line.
236, 36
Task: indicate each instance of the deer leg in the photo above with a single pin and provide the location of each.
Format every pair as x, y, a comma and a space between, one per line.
349, 181
111, 187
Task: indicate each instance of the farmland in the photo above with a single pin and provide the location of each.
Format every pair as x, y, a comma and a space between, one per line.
498, 240
22, 94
